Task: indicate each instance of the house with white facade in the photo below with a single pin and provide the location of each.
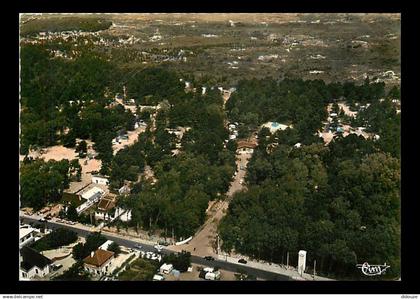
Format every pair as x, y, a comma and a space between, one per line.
33, 264
99, 263
26, 235
92, 196
99, 179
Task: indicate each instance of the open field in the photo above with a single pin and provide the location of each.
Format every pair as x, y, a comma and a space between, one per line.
231, 47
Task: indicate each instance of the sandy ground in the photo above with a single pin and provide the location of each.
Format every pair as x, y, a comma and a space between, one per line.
66, 262
132, 108
132, 138
57, 153
346, 109
149, 173
327, 136
119, 260
205, 241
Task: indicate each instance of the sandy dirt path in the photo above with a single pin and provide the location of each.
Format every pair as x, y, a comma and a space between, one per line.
205, 240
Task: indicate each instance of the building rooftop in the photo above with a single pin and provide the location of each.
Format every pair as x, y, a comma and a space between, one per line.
99, 257
106, 203
32, 258
92, 192
105, 245
24, 231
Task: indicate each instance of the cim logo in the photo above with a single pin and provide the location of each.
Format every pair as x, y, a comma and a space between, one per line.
372, 270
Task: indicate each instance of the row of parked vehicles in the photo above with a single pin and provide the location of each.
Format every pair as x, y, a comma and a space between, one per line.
155, 256
66, 221
151, 255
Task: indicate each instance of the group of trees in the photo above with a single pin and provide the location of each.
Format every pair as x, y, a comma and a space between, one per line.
381, 118
299, 102
149, 86
181, 261
55, 239
43, 182
47, 87
93, 241
177, 202
364, 93
336, 202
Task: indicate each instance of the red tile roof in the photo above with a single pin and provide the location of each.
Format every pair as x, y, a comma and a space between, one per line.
99, 258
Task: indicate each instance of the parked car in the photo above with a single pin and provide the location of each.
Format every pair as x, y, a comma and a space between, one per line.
209, 258
56, 267
158, 247
138, 246
242, 261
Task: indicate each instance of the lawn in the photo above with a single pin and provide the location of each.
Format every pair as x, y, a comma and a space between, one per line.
140, 269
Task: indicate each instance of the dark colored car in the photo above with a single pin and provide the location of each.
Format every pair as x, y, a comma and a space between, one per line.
242, 261
56, 267
209, 258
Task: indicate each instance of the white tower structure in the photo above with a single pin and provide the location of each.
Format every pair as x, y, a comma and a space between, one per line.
302, 262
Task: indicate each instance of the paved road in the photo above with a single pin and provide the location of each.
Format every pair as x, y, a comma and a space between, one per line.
147, 247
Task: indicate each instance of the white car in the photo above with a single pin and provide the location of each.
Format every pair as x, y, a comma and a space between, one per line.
158, 247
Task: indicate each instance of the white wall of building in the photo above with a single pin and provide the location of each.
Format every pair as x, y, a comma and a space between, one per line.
100, 180
98, 271
35, 271
124, 215
26, 239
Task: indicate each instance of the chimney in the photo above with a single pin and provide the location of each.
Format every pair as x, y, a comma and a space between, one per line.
92, 254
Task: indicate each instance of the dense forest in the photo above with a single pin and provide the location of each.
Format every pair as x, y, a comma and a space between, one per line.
297, 102
186, 182
339, 202
43, 182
